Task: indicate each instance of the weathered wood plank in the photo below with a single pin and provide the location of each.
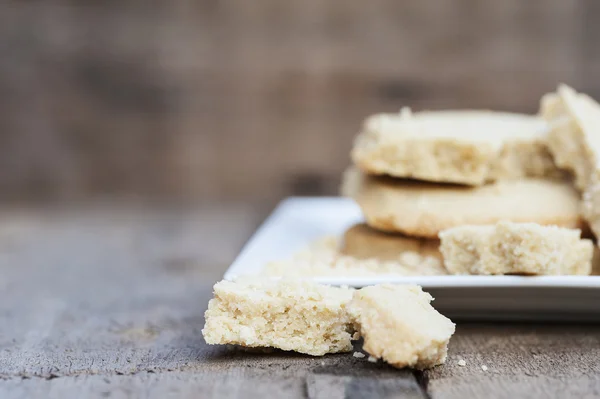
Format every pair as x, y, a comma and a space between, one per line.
341, 377
231, 383
112, 291
113, 301
522, 360
364, 380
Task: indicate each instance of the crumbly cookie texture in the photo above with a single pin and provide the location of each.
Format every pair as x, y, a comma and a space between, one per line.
516, 248
574, 140
466, 147
363, 242
400, 326
292, 315
591, 207
326, 257
424, 209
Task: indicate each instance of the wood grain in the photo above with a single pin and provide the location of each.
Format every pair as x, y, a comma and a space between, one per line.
522, 360
231, 383
111, 302
363, 382
112, 291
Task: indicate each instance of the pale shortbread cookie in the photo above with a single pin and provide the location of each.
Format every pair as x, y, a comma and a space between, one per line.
292, 315
574, 140
591, 207
363, 242
324, 259
466, 147
516, 248
400, 326
574, 137
424, 209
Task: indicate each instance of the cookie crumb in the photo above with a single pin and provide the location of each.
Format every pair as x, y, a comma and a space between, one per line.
358, 355
484, 367
462, 363
356, 336
372, 359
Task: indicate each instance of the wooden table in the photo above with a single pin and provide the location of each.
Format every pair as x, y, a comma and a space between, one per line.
109, 302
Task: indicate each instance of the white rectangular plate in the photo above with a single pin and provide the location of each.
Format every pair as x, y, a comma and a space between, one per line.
298, 221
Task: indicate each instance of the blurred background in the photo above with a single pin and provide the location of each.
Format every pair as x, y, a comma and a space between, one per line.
223, 101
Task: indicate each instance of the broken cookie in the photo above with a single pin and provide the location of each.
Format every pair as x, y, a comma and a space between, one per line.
400, 326
467, 147
292, 315
516, 248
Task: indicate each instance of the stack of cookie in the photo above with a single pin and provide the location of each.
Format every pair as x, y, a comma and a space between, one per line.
418, 174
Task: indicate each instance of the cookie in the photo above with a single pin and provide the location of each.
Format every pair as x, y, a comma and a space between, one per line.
591, 207
516, 248
574, 136
574, 140
465, 147
424, 209
292, 315
400, 326
363, 242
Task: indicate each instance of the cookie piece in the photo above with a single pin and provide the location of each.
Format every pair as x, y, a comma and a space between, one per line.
574, 140
292, 315
574, 137
424, 209
591, 207
400, 326
363, 242
466, 147
516, 248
